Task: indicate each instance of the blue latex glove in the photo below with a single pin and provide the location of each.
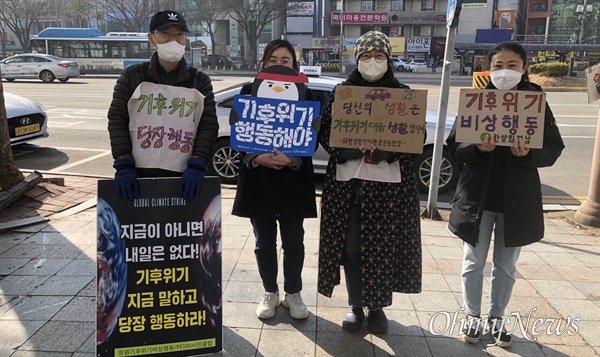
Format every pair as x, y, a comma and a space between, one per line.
191, 180
126, 183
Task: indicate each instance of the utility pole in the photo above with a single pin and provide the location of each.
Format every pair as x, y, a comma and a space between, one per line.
341, 68
589, 211
453, 11
583, 17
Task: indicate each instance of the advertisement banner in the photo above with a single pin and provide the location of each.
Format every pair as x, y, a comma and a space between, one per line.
418, 44
392, 119
473, 4
360, 18
301, 8
506, 115
159, 271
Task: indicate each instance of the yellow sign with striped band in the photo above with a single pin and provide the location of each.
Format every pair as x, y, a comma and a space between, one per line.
481, 79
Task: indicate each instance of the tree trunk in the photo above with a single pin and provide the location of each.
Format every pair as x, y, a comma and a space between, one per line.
10, 175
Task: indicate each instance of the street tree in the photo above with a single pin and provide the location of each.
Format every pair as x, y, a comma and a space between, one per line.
206, 15
20, 15
10, 175
131, 15
79, 11
252, 16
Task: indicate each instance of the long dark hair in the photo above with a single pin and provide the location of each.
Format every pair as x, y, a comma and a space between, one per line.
513, 47
274, 45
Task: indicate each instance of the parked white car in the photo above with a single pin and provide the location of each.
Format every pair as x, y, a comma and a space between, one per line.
400, 64
416, 64
226, 162
27, 119
35, 65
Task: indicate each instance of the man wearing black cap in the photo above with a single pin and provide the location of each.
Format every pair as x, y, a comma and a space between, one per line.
162, 119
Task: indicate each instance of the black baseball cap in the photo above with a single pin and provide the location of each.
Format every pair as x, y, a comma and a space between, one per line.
163, 19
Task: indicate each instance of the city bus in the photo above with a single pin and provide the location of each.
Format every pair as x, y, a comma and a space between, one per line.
95, 53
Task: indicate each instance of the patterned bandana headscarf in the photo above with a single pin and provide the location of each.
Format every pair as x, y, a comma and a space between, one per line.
372, 40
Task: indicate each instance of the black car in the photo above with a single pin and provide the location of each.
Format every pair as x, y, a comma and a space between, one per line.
218, 60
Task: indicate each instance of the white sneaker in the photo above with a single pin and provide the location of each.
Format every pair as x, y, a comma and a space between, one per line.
297, 308
266, 307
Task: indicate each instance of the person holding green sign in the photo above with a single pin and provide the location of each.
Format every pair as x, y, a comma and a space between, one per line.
369, 221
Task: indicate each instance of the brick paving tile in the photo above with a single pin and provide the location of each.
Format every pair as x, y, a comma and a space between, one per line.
29, 214
8, 215
53, 189
61, 200
45, 213
43, 197
54, 204
71, 193
29, 203
34, 192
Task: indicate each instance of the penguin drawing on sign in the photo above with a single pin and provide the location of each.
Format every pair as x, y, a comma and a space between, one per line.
279, 82
276, 82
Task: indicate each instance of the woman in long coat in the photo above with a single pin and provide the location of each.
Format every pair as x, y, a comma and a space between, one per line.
370, 227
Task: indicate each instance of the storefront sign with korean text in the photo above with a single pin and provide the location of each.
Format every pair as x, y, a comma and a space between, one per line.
159, 271
506, 115
266, 123
360, 18
392, 119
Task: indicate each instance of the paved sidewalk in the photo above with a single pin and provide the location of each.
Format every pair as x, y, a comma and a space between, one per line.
47, 296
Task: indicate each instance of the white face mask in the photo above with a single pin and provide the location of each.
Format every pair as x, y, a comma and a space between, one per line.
373, 69
171, 51
505, 79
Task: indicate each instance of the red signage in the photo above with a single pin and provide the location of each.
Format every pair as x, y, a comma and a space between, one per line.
360, 18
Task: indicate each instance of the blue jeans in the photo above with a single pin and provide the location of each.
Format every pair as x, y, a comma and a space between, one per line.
265, 250
352, 266
503, 267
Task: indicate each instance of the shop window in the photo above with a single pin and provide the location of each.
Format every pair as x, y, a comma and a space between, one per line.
397, 5
423, 31
539, 7
427, 5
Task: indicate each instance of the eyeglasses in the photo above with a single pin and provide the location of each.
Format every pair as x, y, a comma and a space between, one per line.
166, 34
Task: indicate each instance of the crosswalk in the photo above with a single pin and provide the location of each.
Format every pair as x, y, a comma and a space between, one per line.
70, 117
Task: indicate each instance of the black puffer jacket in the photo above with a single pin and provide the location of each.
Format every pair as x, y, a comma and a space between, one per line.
266, 193
522, 206
183, 76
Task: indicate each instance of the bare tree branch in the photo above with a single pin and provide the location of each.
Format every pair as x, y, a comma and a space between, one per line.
206, 15
253, 16
129, 14
19, 16
78, 11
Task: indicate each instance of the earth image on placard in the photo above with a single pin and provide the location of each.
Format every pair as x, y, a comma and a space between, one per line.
112, 272
210, 259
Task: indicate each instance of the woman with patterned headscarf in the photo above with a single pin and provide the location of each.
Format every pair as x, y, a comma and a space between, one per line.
371, 225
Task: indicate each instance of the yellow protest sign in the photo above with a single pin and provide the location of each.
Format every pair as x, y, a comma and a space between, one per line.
393, 119
506, 115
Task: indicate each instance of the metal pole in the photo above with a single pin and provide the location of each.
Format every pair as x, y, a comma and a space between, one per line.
583, 16
589, 211
434, 182
341, 37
